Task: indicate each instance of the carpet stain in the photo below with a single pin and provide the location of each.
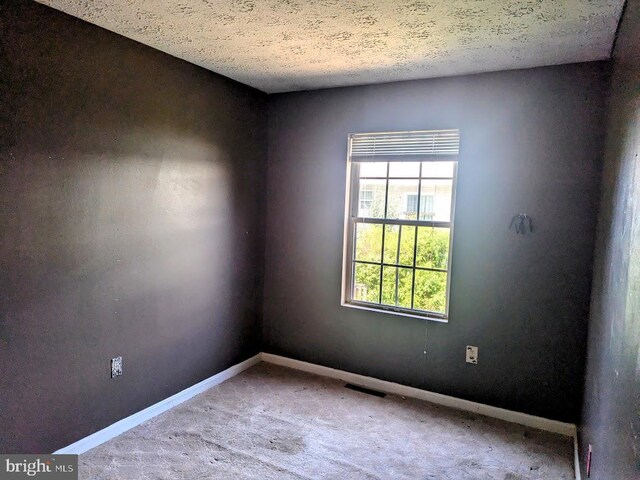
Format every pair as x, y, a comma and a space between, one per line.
291, 445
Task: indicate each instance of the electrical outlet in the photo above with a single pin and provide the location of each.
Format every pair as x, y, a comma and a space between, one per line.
472, 354
116, 367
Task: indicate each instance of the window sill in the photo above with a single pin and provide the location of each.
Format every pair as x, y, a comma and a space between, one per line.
443, 319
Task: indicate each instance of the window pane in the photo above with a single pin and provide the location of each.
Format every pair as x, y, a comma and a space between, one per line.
373, 169
391, 243
404, 169
437, 169
433, 247
399, 203
371, 198
368, 242
406, 235
366, 284
389, 285
430, 291
404, 282
437, 206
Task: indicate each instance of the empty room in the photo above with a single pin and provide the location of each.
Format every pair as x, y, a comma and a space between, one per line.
309, 239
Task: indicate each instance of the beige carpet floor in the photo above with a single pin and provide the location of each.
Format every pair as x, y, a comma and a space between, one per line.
274, 423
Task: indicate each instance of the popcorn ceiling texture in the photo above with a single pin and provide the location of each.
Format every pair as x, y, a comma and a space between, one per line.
286, 45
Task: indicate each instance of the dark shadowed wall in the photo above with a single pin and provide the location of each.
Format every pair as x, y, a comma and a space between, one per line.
611, 411
530, 142
131, 223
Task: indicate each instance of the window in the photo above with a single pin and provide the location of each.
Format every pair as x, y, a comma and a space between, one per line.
426, 201
400, 208
366, 199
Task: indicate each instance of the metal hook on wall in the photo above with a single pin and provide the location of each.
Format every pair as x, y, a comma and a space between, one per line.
521, 221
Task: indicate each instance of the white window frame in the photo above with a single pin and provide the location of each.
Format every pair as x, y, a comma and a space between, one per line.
351, 210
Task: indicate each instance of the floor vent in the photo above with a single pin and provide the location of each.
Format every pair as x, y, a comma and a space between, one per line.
365, 390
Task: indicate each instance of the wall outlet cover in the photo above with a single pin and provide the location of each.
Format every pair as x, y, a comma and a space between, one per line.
472, 354
116, 367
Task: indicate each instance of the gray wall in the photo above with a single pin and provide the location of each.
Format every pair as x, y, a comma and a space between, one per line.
531, 142
611, 422
131, 223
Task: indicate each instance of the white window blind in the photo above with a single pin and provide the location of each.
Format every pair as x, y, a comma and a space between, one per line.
431, 145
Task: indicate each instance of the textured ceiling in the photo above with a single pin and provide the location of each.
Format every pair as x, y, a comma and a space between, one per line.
284, 45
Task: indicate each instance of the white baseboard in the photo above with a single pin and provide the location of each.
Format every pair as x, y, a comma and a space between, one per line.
567, 429
576, 457
95, 439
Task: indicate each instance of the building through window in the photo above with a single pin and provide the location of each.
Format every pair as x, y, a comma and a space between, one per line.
426, 201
